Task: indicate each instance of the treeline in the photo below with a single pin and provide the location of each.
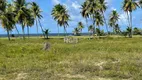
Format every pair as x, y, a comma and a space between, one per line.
22, 13
95, 10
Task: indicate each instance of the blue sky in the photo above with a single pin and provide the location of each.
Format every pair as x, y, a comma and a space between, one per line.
73, 7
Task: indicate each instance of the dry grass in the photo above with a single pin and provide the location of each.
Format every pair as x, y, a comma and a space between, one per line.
113, 58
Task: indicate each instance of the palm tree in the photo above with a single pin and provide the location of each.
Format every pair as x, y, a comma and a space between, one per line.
55, 13
102, 8
29, 22
22, 12
6, 17
85, 12
62, 17
46, 32
99, 20
11, 9
37, 15
76, 31
92, 9
91, 29
129, 6
80, 26
114, 17
117, 29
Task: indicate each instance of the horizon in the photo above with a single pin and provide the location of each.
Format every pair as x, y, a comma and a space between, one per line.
73, 6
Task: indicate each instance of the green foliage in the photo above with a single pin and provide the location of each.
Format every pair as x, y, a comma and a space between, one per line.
60, 14
136, 31
127, 32
46, 32
100, 32
76, 31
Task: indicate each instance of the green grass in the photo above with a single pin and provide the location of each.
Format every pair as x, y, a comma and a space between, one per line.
113, 58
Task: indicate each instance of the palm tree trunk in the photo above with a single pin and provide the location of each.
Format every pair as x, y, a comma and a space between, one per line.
93, 19
113, 30
65, 31
128, 19
105, 22
131, 25
99, 31
87, 25
23, 31
28, 31
8, 34
37, 26
41, 28
94, 28
17, 30
88, 28
58, 30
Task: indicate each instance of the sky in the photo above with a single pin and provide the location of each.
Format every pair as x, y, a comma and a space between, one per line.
73, 7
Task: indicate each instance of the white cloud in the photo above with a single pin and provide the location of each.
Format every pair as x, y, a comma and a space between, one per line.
55, 2
108, 1
75, 5
112, 8
123, 19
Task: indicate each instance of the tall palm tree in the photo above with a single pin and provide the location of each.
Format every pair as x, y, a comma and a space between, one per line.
92, 6
103, 8
37, 15
22, 12
99, 20
55, 13
113, 19
84, 12
129, 6
29, 22
80, 26
11, 9
62, 17
6, 17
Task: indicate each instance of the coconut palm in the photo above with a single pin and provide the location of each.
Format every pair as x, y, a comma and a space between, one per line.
103, 8
76, 31
99, 20
91, 29
85, 12
37, 15
46, 32
22, 12
29, 22
92, 9
55, 13
6, 18
80, 26
11, 9
62, 17
129, 6
117, 29
113, 19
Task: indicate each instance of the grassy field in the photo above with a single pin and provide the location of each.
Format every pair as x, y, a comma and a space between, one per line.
114, 58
